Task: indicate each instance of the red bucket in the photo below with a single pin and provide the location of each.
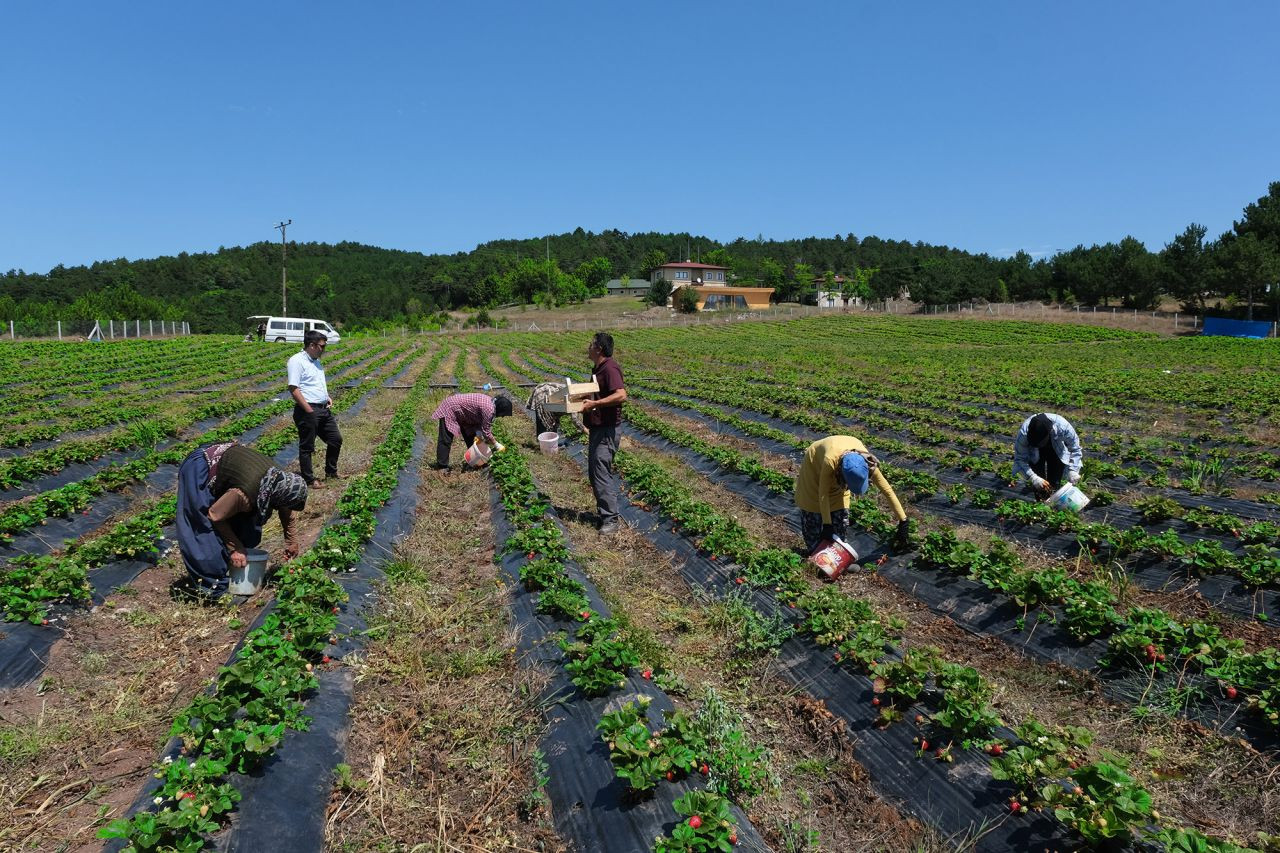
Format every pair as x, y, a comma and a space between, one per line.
833, 557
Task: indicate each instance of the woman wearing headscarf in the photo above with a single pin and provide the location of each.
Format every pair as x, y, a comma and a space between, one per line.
226, 492
832, 468
1046, 448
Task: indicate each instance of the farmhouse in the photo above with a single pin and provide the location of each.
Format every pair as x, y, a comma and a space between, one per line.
710, 283
627, 287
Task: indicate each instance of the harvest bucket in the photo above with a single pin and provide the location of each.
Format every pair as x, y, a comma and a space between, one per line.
1068, 498
549, 442
832, 557
248, 580
478, 454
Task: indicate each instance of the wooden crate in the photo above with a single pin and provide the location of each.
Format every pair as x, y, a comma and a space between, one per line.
568, 399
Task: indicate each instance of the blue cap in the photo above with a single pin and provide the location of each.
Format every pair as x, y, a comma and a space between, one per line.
853, 467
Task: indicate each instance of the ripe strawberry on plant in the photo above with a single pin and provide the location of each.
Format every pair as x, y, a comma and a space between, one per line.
695, 821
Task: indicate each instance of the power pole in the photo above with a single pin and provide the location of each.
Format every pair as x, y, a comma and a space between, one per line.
284, 269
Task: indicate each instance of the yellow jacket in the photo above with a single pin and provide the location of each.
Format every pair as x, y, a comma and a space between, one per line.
818, 485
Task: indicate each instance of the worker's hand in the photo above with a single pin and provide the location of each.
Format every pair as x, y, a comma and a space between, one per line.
239, 560
290, 550
872, 462
1073, 477
588, 405
1039, 483
902, 537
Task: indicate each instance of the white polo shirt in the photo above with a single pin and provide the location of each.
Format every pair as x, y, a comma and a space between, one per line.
307, 374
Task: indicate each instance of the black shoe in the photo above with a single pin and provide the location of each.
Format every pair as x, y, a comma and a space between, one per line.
436, 466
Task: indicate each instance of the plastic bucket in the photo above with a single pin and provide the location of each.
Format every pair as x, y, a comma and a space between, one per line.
833, 557
549, 442
1068, 498
478, 454
248, 580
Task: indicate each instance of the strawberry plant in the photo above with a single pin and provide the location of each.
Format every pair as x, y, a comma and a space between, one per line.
963, 707
639, 756
597, 661
1104, 803
708, 825
1157, 508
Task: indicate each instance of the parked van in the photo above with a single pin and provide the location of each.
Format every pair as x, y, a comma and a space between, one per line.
291, 329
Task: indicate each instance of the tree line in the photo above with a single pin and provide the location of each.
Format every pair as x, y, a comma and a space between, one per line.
365, 286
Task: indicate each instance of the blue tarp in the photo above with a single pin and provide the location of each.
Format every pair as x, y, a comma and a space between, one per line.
1236, 328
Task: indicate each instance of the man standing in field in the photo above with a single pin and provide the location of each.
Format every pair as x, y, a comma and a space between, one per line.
602, 415
311, 412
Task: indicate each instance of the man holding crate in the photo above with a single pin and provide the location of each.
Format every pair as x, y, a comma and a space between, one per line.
602, 415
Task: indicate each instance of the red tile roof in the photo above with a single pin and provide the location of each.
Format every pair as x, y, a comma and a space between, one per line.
690, 265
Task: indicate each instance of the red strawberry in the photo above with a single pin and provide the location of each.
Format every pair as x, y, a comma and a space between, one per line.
529, 555
647, 674
325, 659
919, 719
586, 614
733, 838
837, 657
739, 580
704, 769
924, 746
695, 821
996, 749
876, 701
670, 775
1015, 806
1231, 692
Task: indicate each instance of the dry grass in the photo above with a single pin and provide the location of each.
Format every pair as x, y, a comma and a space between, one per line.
445, 722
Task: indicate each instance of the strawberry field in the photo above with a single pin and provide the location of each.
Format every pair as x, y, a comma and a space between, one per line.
458, 660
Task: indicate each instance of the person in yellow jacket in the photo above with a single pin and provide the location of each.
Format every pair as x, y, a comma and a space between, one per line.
832, 468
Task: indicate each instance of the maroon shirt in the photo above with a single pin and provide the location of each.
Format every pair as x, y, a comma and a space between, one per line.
609, 377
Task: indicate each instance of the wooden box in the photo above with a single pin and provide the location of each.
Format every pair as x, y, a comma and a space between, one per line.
568, 398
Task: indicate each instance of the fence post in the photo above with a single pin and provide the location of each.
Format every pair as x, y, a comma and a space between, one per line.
1175, 319
112, 325
12, 336
59, 330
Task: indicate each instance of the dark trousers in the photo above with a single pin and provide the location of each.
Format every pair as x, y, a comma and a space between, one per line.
444, 443
815, 532
601, 447
319, 422
1050, 467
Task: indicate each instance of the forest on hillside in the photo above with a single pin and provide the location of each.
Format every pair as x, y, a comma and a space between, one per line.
358, 286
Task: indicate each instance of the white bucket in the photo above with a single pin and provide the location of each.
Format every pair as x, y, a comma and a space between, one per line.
248, 580
478, 454
549, 442
1068, 498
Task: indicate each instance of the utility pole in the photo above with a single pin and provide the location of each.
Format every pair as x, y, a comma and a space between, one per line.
284, 269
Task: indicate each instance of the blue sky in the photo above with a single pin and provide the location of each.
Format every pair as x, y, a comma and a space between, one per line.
140, 129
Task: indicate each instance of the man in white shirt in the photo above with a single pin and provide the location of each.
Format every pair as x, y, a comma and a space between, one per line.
311, 412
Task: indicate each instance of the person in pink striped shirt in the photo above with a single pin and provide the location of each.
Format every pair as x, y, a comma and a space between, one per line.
468, 416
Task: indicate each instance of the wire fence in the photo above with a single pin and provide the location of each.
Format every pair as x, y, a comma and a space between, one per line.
106, 330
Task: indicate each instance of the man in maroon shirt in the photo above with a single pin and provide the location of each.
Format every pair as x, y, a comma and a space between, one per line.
602, 415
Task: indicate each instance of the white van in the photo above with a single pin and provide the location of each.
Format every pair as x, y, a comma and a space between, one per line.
291, 329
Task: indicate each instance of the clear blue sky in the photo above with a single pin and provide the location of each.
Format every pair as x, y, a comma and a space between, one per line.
136, 129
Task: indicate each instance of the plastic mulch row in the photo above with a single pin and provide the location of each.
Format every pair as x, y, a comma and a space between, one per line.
959, 799
976, 609
283, 803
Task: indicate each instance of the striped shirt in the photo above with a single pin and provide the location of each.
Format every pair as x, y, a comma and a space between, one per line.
472, 412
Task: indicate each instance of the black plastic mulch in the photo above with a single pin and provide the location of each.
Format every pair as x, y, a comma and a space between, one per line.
283, 803
960, 799
590, 804
24, 648
1227, 592
976, 609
